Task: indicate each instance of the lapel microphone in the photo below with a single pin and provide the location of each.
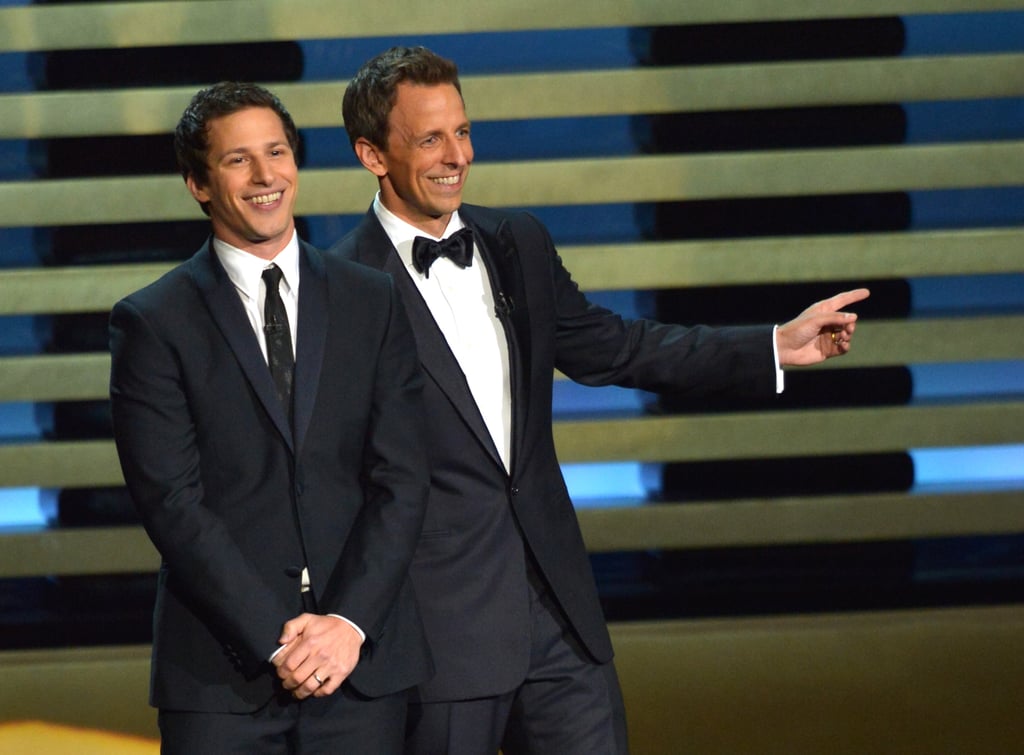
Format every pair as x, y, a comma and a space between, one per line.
503, 304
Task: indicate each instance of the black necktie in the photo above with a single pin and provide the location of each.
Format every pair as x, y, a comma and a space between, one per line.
279, 339
458, 248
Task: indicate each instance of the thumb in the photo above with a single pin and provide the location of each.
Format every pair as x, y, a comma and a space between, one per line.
292, 629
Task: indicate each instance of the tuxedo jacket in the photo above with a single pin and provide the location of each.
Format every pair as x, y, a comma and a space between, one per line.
483, 523
237, 503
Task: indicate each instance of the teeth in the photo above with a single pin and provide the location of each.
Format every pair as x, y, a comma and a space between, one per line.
449, 181
266, 198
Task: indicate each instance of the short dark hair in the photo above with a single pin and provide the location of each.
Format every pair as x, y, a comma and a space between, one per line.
191, 136
371, 93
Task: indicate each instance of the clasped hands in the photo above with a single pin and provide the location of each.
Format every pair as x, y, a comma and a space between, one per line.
819, 332
317, 655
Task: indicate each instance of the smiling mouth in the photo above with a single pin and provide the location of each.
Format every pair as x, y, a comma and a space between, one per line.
447, 180
263, 199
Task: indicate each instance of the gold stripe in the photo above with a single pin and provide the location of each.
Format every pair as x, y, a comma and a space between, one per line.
791, 521
680, 264
650, 439
134, 24
81, 377
742, 87
55, 377
560, 94
558, 182
793, 433
673, 526
627, 266
91, 288
89, 550
757, 174
931, 341
60, 464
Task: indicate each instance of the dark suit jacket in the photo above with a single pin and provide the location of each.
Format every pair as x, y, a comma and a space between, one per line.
470, 567
237, 503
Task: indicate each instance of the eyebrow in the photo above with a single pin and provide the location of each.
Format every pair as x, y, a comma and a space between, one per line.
439, 131
246, 150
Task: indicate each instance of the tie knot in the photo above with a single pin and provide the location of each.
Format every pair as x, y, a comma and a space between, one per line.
272, 277
458, 248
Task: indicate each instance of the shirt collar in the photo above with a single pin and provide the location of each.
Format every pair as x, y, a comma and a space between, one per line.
245, 270
402, 233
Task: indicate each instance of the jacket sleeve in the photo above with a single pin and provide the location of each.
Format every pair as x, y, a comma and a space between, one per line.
396, 477
595, 346
157, 445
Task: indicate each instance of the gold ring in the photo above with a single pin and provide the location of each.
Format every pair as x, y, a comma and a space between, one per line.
834, 339
318, 679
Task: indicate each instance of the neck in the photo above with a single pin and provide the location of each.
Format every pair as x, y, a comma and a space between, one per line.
432, 226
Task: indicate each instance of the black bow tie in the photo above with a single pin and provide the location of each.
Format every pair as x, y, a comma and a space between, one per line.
458, 248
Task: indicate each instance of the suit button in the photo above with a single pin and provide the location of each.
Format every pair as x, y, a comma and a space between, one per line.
515, 490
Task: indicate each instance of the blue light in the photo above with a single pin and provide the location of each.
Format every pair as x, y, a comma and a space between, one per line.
612, 484
993, 466
1003, 379
21, 507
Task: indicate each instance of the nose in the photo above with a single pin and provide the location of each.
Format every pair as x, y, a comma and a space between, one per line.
261, 171
459, 152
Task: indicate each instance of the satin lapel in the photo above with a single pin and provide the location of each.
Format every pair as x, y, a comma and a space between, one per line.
312, 334
497, 248
226, 309
436, 357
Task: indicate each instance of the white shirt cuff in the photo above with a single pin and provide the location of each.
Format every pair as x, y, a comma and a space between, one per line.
362, 634
780, 376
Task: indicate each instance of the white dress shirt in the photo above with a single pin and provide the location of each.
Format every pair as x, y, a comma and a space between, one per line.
462, 303
246, 273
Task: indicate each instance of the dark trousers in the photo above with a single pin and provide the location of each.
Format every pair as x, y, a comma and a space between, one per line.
566, 705
342, 723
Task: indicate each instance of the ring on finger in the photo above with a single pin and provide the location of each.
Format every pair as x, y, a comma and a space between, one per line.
318, 679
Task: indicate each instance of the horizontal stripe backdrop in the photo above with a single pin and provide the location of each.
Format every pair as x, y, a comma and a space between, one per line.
630, 155
49, 204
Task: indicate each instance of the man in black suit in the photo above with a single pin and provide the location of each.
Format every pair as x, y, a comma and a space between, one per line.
277, 459
523, 656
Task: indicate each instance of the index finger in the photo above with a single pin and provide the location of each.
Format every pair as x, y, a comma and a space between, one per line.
846, 298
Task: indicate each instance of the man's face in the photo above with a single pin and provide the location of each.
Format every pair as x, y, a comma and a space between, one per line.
428, 155
252, 181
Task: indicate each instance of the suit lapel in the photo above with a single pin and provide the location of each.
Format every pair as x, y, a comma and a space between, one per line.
496, 245
436, 357
226, 310
312, 333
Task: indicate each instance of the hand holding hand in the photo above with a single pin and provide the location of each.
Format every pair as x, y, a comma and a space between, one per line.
318, 655
819, 332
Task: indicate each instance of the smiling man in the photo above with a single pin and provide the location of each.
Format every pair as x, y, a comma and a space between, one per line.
267, 411
524, 660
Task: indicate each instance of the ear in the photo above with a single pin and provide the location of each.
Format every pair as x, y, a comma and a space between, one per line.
199, 193
372, 157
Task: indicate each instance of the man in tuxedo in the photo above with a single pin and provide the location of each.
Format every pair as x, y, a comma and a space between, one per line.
267, 410
523, 656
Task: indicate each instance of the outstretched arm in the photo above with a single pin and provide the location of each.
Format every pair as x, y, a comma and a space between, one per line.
820, 332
